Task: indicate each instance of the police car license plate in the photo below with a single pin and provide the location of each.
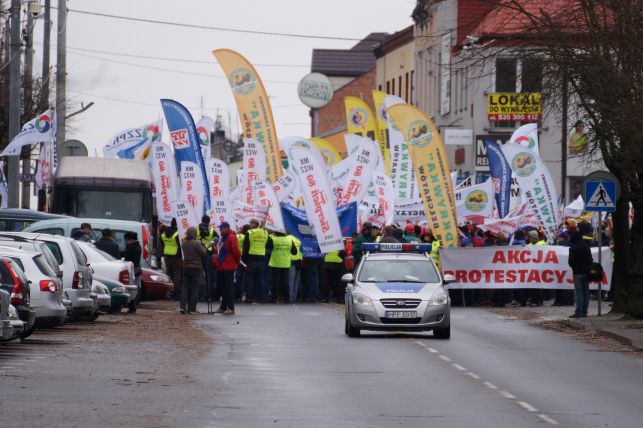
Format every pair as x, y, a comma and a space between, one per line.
400, 314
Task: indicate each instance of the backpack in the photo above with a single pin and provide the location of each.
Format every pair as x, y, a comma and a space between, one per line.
595, 272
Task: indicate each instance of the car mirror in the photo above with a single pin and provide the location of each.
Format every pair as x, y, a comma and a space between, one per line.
448, 279
347, 277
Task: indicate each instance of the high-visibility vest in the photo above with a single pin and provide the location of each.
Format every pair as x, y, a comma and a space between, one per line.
280, 256
333, 257
541, 242
435, 252
206, 239
297, 242
257, 239
170, 247
240, 239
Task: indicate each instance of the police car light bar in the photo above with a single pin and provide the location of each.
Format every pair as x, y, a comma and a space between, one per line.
411, 247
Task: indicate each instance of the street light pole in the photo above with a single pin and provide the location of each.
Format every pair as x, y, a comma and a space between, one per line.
61, 76
28, 97
15, 107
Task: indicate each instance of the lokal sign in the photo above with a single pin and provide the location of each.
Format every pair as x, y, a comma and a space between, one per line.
509, 107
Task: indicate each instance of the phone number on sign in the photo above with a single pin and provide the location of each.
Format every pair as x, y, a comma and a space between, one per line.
514, 117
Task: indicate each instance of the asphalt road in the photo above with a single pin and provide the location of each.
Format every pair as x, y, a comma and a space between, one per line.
292, 366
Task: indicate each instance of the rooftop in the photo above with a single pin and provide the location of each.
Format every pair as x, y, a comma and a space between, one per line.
347, 62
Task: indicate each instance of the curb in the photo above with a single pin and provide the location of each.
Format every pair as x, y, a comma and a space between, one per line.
605, 333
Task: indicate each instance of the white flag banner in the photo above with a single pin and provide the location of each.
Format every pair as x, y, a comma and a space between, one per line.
409, 212
204, 129
402, 172
575, 209
467, 182
284, 185
475, 201
361, 169
243, 213
531, 266
165, 180
385, 194
265, 195
132, 142
185, 216
192, 187
44, 175
219, 181
318, 197
40, 129
4, 189
537, 186
254, 167
507, 225
527, 136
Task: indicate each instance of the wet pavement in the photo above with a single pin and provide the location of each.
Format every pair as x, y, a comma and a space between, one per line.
292, 366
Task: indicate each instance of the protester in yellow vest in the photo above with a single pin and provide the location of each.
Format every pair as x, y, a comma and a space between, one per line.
332, 270
254, 257
171, 250
209, 237
283, 248
535, 295
294, 276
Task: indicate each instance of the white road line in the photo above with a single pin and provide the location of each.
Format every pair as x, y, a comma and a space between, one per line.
473, 375
417, 342
459, 367
490, 385
431, 350
445, 358
528, 407
547, 419
507, 395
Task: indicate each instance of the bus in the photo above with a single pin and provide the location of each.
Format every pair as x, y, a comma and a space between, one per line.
91, 187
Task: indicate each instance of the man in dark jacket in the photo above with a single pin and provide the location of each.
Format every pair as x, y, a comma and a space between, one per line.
133, 254
193, 254
228, 257
366, 236
580, 260
107, 244
387, 235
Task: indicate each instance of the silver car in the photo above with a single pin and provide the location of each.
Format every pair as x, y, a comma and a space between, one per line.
397, 290
46, 287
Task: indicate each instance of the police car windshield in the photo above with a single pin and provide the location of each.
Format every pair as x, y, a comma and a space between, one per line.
398, 271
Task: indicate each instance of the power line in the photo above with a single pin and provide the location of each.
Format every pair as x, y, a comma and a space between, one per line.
206, 27
183, 60
170, 70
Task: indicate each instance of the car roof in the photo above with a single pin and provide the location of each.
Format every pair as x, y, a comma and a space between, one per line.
32, 236
17, 251
22, 213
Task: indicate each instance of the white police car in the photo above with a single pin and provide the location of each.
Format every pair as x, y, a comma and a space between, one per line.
397, 287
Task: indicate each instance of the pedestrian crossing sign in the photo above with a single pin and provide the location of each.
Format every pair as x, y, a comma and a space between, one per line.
600, 196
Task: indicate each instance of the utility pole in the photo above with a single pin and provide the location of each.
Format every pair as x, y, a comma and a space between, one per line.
13, 173
46, 41
563, 145
28, 97
61, 76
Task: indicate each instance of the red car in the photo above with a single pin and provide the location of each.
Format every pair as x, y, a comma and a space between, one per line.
155, 285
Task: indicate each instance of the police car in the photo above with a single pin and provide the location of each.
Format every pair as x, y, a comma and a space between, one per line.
397, 287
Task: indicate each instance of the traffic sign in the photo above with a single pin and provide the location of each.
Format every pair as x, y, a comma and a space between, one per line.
600, 196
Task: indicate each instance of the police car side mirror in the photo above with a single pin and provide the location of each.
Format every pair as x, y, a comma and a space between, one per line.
347, 277
448, 279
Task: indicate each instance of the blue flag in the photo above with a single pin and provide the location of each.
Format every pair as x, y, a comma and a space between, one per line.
296, 223
501, 176
187, 147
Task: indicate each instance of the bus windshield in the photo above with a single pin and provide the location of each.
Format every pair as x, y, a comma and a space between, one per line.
96, 203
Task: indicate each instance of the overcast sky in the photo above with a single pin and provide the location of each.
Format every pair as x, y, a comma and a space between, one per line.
127, 96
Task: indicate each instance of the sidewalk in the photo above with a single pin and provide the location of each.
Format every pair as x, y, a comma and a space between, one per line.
613, 326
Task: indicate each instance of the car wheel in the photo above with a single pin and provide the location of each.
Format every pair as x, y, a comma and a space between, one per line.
350, 330
442, 333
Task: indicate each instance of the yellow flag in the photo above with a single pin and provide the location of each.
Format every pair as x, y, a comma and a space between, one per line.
253, 106
359, 118
382, 128
432, 173
329, 152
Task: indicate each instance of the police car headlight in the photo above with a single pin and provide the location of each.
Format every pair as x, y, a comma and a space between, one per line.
360, 299
439, 299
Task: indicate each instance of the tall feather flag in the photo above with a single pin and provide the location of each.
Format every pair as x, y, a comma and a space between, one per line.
253, 105
501, 176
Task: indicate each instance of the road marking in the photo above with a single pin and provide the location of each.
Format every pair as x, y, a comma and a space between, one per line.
431, 350
507, 395
547, 419
459, 367
445, 358
473, 375
490, 385
417, 342
528, 407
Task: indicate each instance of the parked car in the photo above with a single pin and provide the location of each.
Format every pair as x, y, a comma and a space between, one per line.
108, 267
119, 293
46, 287
16, 241
16, 219
68, 225
14, 281
11, 327
155, 285
77, 275
102, 297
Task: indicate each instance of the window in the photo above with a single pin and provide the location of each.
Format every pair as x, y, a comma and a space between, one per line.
388, 87
379, 87
392, 86
18, 262
398, 271
80, 256
55, 249
411, 100
50, 231
532, 75
406, 88
399, 81
505, 75
43, 266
